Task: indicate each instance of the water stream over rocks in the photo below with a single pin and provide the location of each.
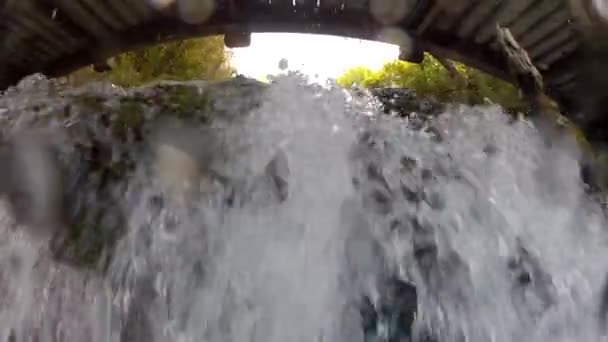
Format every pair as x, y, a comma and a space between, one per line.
240, 211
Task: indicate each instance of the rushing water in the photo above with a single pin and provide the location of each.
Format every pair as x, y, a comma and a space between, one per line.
489, 224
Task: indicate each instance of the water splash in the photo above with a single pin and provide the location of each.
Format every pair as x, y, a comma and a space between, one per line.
489, 223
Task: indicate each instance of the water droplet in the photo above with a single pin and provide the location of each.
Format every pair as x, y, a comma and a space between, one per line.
390, 12
601, 8
176, 168
283, 64
396, 36
195, 11
160, 4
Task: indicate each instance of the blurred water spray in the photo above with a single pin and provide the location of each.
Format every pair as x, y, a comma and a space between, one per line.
490, 224
31, 178
601, 8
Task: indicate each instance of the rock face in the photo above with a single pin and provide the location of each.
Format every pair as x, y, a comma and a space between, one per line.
404, 102
85, 143
420, 114
70, 161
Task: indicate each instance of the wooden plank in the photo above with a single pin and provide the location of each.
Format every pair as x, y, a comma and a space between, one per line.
125, 11
532, 16
454, 12
14, 47
334, 6
562, 79
45, 37
308, 5
476, 17
428, 19
48, 16
102, 12
31, 14
416, 14
84, 18
508, 11
551, 43
559, 53
143, 8
357, 5
556, 20
282, 4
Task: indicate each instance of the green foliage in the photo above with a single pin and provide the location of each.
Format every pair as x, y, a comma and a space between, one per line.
198, 58
358, 76
431, 79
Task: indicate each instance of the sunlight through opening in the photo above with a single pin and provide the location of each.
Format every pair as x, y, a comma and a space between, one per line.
320, 57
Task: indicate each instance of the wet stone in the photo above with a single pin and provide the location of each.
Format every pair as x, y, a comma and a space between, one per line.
378, 201
278, 170
356, 183
396, 225
156, 203
435, 200
426, 175
407, 163
375, 174
404, 103
528, 275
490, 149
392, 316
411, 195
434, 133
424, 245
426, 106
425, 253
416, 123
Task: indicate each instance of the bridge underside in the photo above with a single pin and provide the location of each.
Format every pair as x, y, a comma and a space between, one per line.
56, 37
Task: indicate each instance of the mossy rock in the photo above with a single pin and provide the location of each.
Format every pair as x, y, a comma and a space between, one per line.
93, 103
129, 117
104, 131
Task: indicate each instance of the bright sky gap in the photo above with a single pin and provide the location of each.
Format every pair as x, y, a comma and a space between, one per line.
318, 56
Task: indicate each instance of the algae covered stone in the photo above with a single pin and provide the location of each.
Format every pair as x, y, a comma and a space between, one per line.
99, 136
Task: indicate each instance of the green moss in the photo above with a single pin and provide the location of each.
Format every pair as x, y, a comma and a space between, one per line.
84, 251
119, 169
186, 102
90, 240
130, 116
90, 102
79, 249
